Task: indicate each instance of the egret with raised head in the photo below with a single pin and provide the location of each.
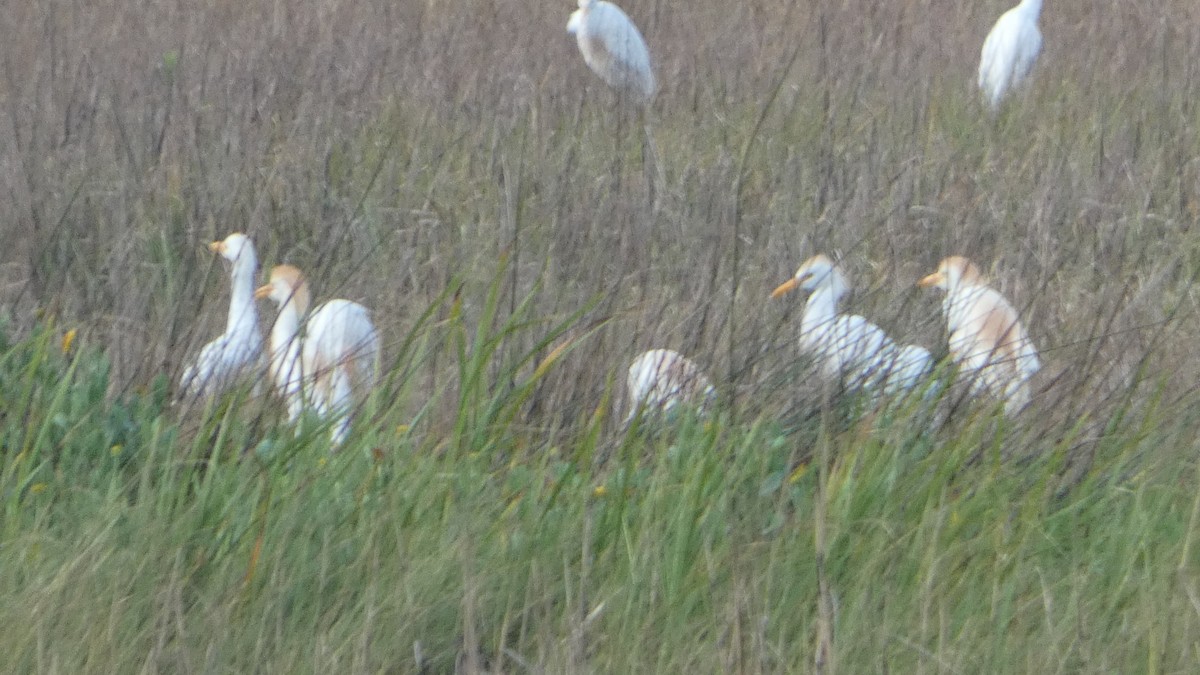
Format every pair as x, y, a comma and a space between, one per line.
849, 348
613, 48
986, 338
1009, 52
237, 352
330, 362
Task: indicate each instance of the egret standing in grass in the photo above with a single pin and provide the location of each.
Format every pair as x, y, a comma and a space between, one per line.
333, 364
613, 48
661, 379
1010, 51
987, 340
237, 352
849, 348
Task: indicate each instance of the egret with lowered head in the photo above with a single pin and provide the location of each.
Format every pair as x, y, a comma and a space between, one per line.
661, 379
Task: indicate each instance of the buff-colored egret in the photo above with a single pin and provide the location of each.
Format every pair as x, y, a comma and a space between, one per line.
849, 348
661, 379
613, 48
237, 352
334, 363
1010, 51
986, 338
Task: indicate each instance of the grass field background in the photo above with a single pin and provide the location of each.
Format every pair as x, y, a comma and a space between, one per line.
456, 168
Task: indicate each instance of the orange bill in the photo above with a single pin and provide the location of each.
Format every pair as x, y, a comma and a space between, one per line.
786, 287
931, 280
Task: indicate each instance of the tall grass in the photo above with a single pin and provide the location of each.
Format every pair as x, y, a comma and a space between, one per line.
457, 169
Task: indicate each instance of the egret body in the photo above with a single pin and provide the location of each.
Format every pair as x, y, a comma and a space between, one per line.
662, 379
613, 48
1009, 52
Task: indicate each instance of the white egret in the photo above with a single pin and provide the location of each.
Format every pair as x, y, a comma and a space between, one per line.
237, 352
987, 340
1010, 51
613, 48
661, 379
849, 348
333, 363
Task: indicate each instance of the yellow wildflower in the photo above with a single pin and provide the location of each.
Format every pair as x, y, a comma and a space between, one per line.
68, 339
799, 473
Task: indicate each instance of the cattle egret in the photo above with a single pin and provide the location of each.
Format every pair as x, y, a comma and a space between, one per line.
1010, 51
613, 48
987, 340
849, 348
335, 361
662, 379
236, 353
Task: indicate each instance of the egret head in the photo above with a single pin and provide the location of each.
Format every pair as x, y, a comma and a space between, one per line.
575, 23
817, 272
951, 273
286, 284
235, 248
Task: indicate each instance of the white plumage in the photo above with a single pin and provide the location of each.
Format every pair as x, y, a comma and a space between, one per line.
334, 363
661, 379
849, 348
987, 340
1009, 52
613, 47
237, 352
912, 365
